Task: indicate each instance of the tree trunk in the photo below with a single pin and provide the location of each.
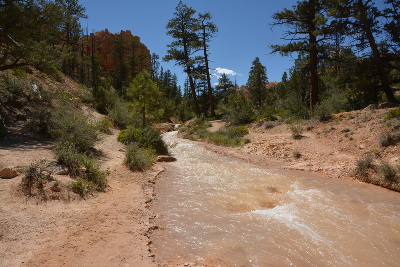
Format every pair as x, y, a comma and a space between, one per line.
189, 73
193, 91
375, 53
210, 91
313, 57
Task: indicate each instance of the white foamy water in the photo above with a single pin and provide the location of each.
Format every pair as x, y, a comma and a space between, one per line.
221, 208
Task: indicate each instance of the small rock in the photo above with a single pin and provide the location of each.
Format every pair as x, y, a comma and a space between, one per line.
165, 158
8, 173
57, 168
261, 122
55, 186
371, 107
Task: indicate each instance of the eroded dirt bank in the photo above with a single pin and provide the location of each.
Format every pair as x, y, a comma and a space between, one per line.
110, 229
331, 148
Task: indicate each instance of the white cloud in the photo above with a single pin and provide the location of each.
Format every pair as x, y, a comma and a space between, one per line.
226, 71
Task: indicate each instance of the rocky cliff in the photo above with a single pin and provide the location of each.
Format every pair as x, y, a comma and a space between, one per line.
115, 49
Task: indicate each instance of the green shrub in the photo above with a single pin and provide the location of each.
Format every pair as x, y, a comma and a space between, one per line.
62, 119
241, 130
269, 125
93, 174
297, 131
230, 136
82, 187
393, 114
148, 137
238, 110
388, 139
323, 112
122, 114
346, 130
138, 158
67, 154
389, 173
104, 126
363, 165
76, 129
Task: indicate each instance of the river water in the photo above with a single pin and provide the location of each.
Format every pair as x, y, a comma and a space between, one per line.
223, 209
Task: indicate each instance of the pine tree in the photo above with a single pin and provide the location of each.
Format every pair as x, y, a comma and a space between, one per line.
207, 30
186, 42
26, 40
307, 33
145, 95
360, 19
222, 88
256, 83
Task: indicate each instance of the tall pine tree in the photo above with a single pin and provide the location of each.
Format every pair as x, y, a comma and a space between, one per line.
256, 83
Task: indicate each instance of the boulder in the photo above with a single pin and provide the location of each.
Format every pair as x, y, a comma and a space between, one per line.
386, 105
55, 186
165, 158
8, 173
371, 107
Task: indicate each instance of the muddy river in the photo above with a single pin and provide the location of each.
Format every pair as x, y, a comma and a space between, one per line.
226, 210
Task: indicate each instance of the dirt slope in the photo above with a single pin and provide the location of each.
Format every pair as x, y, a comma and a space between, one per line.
106, 230
331, 148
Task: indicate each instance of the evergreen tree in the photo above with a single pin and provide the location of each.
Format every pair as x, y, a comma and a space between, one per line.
222, 88
360, 19
25, 39
207, 30
120, 72
145, 95
70, 34
392, 27
155, 66
256, 83
308, 32
186, 42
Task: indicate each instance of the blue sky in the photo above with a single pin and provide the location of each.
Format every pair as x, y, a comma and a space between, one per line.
244, 31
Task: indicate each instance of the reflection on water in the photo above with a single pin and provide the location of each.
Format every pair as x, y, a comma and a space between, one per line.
224, 209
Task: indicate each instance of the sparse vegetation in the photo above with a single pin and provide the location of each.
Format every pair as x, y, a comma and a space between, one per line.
393, 114
363, 166
104, 126
388, 139
67, 154
296, 154
226, 136
35, 175
297, 131
389, 173
384, 174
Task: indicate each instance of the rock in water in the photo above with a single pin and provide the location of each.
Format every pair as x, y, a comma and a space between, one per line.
165, 158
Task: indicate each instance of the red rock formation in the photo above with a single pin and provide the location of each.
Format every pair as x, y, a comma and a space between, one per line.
136, 56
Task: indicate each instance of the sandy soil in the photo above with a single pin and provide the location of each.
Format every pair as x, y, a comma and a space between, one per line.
110, 229
113, 228
331, 148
